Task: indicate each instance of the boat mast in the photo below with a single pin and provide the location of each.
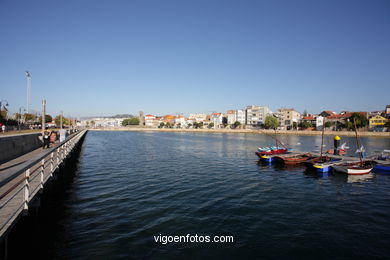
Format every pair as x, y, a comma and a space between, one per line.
358, 143
322, 139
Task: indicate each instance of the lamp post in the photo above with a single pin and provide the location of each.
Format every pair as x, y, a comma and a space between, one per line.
28, 77
1, 105
20, 114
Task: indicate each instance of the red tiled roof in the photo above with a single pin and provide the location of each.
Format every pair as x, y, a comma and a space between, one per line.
330, 112
346, 115
309, 118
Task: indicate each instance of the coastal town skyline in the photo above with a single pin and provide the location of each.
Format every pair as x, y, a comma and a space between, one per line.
101, 58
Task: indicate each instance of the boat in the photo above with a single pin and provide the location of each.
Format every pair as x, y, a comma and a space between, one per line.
382, 163
319, 163
356, 168
323, 164
382, 168
266, 153
294, 159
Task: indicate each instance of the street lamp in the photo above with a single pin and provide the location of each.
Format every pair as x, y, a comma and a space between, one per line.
20, 115
1, 105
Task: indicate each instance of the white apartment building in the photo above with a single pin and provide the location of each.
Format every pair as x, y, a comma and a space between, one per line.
150, 121
216, 119
107, 122
255, 115
241, 116
231, 117
198, 117
180, 121
320, 121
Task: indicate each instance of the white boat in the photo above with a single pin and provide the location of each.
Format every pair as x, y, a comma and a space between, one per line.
354, 168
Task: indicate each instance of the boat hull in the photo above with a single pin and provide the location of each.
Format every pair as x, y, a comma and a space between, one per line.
294, 159
382, 168
352, 169
321, 168
264, 155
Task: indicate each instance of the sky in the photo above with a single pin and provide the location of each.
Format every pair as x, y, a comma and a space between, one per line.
100, 58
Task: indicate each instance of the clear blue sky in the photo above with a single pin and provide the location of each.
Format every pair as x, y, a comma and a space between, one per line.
107, 57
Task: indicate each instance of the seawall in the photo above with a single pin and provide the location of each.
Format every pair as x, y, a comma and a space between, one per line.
16, 145
247, 131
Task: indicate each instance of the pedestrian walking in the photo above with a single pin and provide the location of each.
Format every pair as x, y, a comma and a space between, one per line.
46, 140
3, 128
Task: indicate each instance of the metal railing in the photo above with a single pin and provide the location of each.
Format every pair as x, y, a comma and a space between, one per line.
18, 189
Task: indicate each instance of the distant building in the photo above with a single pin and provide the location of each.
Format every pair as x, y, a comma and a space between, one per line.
327, 113
180, 121
320, 121
387, 112
169, 119
241, 116
107, 122
231, 117
198, 117
216, 119
287, 117
310, 118
255, 115
377, 121
150, 121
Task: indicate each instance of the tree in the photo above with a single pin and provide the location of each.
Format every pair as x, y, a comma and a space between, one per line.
327, 124
29, 117
361, 120
57, 120
271, 122
305, 113
306, 124
161, 125
17, 116
48, 118
349, 125
211, 125
3, 114
236, 124
130, 121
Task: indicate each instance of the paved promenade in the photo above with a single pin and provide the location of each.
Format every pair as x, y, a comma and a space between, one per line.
17, 164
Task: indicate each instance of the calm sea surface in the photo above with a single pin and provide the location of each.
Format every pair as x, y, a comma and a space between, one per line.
130, 187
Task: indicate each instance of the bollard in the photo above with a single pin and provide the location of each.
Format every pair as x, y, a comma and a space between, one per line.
336, 145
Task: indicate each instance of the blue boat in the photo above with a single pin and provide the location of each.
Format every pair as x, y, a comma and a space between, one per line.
382, 168
383, 163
